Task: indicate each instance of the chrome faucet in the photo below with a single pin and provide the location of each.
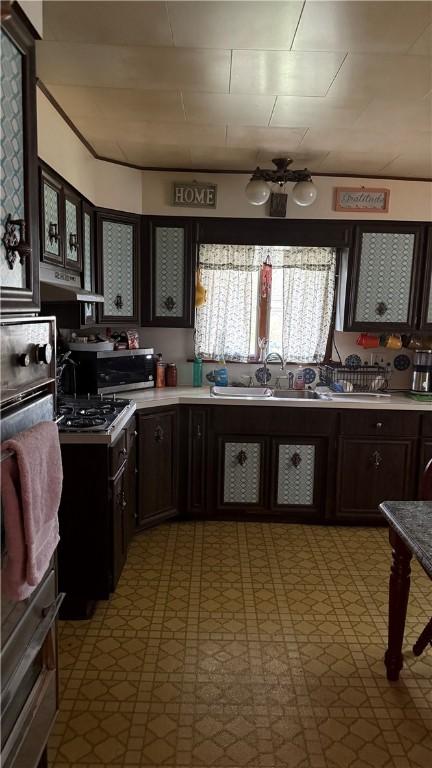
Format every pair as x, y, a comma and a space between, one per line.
271, 358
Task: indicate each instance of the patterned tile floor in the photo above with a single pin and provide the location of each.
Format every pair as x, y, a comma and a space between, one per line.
243, 644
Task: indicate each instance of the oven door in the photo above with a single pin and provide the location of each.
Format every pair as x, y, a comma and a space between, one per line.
29, 697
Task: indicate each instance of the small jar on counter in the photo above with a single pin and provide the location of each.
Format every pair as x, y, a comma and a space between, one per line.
171, 375
160, 374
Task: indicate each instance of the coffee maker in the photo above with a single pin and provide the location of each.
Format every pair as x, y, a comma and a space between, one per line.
422, 374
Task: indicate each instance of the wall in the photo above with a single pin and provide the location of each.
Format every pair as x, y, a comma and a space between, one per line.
409, 200
105, 184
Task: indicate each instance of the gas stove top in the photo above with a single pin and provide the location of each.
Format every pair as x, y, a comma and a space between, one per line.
93, 417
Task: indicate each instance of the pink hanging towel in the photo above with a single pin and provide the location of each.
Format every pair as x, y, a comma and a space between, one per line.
31, 484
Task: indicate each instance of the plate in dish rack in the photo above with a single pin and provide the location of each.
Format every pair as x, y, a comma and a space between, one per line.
309, 375
262, 375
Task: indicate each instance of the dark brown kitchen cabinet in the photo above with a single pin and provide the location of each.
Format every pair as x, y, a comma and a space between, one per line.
117, 250
157, 466
131, 478
168, 284
426, 307
96, 519
379, 284
369, 472
60, 223
197, 460
19, 239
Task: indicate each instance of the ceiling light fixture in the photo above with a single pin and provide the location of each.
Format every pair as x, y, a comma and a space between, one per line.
258, 190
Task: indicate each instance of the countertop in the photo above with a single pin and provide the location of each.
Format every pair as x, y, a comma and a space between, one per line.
153, 398
412, 521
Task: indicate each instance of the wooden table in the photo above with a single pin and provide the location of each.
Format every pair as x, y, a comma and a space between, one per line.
410, 535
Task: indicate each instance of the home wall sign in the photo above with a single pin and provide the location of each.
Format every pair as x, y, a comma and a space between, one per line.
361, 199
194, 195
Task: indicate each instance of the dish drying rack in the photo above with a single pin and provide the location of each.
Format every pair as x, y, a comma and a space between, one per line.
364, 378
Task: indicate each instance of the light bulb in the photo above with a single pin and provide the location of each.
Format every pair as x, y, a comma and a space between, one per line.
304, 193
257, 191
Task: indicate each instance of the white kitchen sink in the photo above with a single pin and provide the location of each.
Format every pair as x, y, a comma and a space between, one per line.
255, 392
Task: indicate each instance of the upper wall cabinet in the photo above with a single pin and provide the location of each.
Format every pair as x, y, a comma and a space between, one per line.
378, 290
19, 248
118, 238
60, 226
168, 274
426, 310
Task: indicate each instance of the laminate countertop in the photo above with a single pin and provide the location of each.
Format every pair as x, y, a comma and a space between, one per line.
412, 521
166, 396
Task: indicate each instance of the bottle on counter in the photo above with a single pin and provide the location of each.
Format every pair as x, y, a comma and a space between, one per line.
160, 372
299, 382
171, 375
197, 372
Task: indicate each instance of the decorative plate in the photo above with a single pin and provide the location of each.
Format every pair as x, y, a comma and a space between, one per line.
309, 375
353, 361
262, 376
401, 362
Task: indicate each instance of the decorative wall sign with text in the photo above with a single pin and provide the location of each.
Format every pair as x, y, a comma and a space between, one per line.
361, 199
192, 194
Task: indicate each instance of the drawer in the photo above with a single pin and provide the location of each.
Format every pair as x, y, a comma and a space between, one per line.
380, 423
118, 453
427, 424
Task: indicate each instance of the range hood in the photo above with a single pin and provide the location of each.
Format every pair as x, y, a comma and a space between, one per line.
58, 284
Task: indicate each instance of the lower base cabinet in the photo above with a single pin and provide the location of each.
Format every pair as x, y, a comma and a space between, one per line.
298, 478
157, 466
370, 472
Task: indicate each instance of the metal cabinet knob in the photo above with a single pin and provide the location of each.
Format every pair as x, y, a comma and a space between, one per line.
376, 459
158, 434
379, 425
14, 241
169, 303
123, 452
241, 458
296, 459
381, 308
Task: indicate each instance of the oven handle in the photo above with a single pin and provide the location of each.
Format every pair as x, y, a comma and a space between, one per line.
32, 649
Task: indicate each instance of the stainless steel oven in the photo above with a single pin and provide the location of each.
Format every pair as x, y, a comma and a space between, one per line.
28, 656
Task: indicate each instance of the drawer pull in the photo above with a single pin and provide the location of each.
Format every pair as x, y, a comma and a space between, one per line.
296, 459
14, 241
53, 235
379, 425
123, 452
242, 458
169, 303
381, 308
158, 434
376, 459
198, 432
73, 242
118, 302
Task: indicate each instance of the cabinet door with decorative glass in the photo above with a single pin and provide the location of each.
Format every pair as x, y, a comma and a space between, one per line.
89, 309
72, 219
118, 260
383, 277
298, 476
19, 248
241, 476
52, 242
426, 310
169, 270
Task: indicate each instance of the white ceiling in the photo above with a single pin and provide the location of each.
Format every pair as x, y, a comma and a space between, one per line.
341, 87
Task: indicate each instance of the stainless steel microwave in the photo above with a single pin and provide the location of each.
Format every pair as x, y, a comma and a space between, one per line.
110, 371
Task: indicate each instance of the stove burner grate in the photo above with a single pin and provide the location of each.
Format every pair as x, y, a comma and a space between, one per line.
85, 422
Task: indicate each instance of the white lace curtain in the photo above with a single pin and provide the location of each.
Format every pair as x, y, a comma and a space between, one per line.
226, 325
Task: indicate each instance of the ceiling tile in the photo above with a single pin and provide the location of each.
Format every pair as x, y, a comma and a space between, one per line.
121, 23
149, 155
363, 162
176, 134
315, 111
423, 45
109, 103
404, 114
279, 72
375, 27
344, 139
411, 165
221, 157
385, 75
116, 66
268, 25
228, 108
270, 139
106, 148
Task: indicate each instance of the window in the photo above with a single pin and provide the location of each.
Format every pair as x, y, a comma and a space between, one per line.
289, 303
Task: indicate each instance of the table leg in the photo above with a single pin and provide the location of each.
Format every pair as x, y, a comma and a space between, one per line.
399, 587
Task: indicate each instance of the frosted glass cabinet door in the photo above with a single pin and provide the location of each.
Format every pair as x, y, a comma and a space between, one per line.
19, 252
169, 274
426, 313
295, 475
242, 468
384, 277
72, 245
52, 242
118, 243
